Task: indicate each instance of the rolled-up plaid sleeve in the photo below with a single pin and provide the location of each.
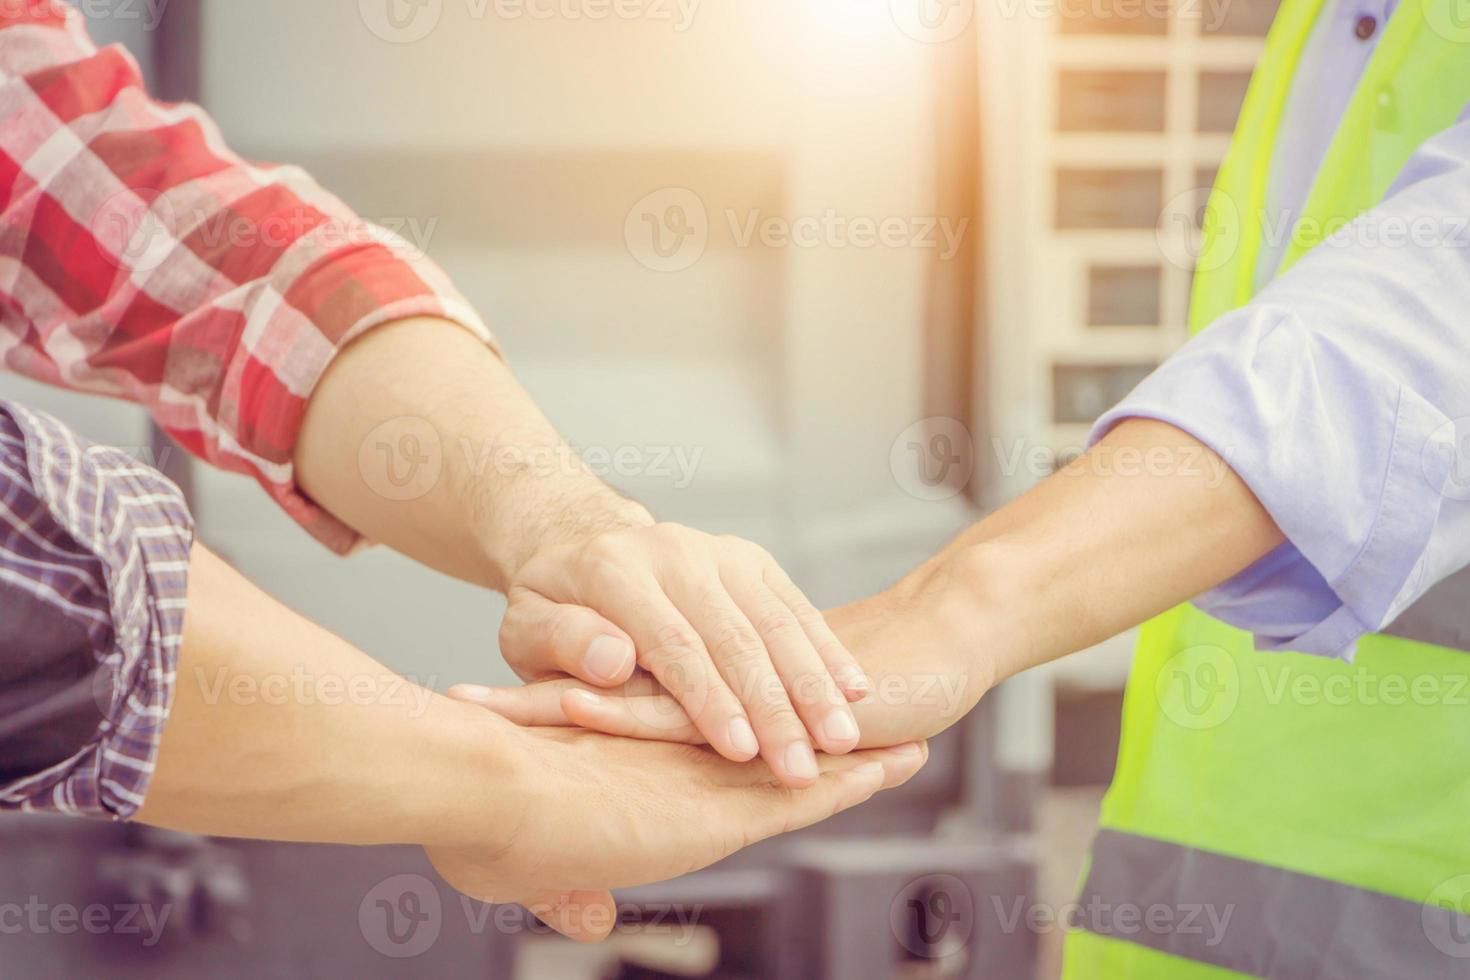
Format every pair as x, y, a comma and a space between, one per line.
141, 258
94, 561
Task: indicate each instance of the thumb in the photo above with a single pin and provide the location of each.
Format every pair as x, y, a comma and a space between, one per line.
541, 638
587, 917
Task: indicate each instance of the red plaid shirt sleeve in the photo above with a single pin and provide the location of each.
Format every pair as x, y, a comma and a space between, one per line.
140, 258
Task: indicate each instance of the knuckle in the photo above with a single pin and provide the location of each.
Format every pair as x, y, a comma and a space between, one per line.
673, 641
777, 622
737, 644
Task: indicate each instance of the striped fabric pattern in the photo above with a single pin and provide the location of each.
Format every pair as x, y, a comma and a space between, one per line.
140, 258
102, 541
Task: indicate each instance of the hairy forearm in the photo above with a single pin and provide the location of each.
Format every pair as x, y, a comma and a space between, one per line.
280, 730
419, 437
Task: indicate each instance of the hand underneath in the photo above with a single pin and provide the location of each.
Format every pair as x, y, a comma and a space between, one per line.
713, 620
919, 643
607, 813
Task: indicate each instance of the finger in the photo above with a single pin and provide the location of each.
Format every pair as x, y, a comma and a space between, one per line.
587, 917
674, 652
841, 664
541, 638
654, 718
847, 781
531, 706
745, 664
806, 677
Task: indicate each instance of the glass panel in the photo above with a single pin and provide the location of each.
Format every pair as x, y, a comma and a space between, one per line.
1109, 198
1082, 392
1112, 101
1220, 96
1124, 295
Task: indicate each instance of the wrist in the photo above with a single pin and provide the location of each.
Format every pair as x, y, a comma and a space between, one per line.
572, 516
981, 604
474, 789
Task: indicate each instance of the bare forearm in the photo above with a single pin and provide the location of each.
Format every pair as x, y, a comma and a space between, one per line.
1147, 519
420, 438
280, 730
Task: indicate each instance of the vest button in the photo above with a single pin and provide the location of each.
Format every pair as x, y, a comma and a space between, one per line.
1365, 27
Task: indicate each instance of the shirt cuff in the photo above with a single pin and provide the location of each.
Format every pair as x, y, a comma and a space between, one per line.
94, 546
1350, 463
342, 295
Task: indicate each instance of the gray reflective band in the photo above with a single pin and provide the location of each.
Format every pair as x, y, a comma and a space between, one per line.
1260, 920
1441, 616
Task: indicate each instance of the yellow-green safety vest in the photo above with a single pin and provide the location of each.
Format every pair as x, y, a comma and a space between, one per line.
1281, 814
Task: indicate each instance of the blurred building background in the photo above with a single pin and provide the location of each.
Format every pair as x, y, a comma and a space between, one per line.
834, 275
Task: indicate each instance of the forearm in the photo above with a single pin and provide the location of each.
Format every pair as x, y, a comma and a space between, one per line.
419, 437
1145, 520
280, 730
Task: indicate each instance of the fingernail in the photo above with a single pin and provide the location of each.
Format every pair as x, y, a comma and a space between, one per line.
606, 657
907, 751
586, 696
840, 727
472, 692
800, 762
869, 769
855, 680
742, 737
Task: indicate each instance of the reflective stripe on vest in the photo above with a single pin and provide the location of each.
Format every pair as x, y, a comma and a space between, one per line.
1326, 801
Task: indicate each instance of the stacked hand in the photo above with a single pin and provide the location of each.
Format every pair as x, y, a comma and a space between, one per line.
609, 813
713, 621
916, 644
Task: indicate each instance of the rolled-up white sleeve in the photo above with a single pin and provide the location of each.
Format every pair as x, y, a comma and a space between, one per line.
1341, 396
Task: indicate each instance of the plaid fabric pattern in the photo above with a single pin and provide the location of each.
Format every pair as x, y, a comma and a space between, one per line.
102, 542
140, 258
